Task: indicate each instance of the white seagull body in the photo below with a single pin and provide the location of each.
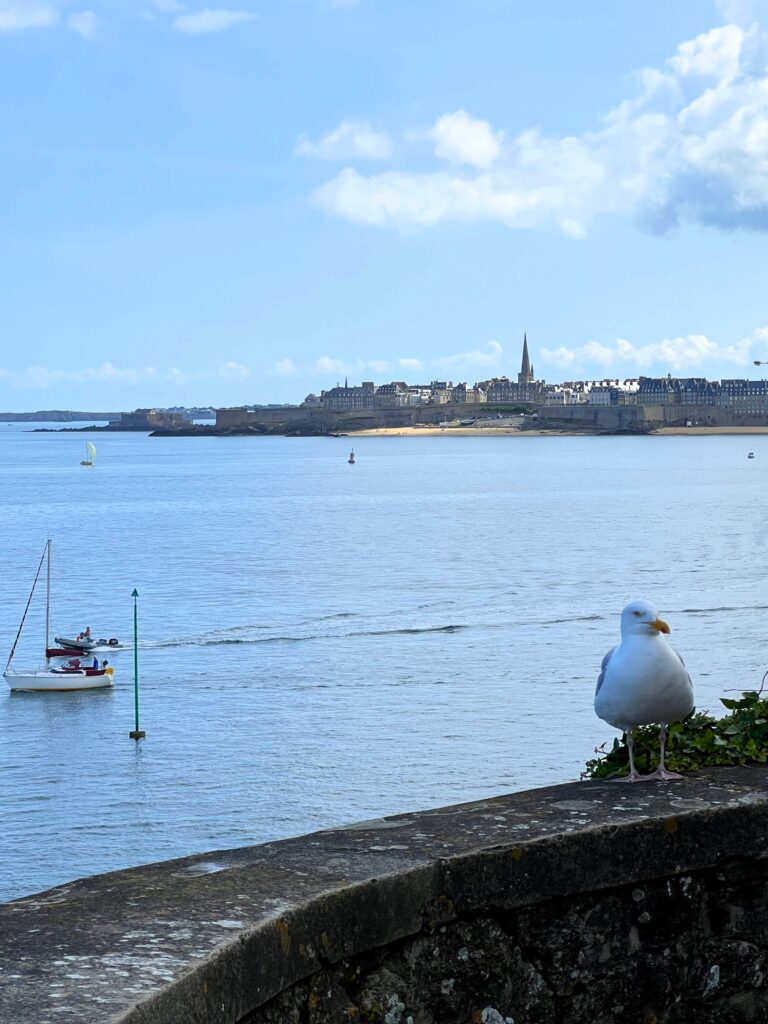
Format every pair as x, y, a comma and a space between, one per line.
643, 681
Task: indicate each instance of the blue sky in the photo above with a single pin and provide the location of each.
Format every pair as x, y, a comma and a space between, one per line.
245, 203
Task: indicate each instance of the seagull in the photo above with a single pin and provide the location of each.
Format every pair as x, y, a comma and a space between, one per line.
643, 681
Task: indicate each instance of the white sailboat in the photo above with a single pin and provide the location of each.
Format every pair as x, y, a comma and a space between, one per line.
90, 457
53, 679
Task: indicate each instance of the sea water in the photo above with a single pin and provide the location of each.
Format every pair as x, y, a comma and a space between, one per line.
322, 643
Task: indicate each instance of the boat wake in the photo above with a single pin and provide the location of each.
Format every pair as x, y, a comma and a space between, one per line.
337, 627
209, 640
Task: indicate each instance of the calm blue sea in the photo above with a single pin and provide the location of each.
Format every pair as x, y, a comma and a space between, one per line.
322, 643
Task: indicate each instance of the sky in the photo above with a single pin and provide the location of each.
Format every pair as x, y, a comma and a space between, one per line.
227, 205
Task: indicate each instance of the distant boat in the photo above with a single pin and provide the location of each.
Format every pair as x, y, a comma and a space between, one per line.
751, 455
71, 676
81, 644
90, 457
351, 459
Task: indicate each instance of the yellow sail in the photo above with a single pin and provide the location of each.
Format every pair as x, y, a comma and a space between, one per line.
91, 450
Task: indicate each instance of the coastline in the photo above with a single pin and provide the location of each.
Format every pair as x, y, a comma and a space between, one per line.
432, 431
711, 430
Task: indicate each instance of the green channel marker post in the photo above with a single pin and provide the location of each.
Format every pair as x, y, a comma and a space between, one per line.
137, 733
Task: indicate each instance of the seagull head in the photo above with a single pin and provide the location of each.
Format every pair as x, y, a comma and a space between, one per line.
641, 618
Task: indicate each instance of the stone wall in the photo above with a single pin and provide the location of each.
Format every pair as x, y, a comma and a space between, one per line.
689, 947
591, 902
308, 419
590, 418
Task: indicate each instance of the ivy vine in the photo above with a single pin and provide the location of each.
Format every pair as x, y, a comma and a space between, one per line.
698, 741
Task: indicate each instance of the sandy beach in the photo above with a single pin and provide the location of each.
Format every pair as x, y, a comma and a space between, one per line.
434, 431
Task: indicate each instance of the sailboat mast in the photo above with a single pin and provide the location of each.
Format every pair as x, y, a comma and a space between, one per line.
29, 602
48, 602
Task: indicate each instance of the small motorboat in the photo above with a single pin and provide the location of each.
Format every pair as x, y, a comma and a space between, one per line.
81, 643
78, 644
751, 455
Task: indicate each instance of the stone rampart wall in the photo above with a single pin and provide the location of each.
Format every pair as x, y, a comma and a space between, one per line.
589, 903
588, 417
301, 418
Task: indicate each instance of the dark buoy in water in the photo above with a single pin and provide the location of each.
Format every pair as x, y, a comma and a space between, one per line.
351, 459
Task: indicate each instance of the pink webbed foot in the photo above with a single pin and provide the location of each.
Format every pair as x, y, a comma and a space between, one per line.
664, 775
632, 777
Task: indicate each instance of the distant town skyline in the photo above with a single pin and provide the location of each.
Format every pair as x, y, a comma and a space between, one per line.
245, 204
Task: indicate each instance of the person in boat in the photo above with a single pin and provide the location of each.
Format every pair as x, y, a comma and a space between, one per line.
73, 663
95, 662
104, 663
87, 633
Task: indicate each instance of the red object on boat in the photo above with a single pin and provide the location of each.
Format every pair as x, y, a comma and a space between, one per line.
83, 670
56, 652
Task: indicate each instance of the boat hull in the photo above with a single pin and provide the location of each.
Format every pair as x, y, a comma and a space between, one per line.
60, 681
75, 646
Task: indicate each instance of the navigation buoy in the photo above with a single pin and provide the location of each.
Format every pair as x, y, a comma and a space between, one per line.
351, 459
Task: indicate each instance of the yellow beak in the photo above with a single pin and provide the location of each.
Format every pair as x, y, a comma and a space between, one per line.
660, 624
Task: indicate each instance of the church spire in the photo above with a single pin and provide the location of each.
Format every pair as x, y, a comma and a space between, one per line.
526, 370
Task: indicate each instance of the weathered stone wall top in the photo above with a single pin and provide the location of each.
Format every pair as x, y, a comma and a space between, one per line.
213, 937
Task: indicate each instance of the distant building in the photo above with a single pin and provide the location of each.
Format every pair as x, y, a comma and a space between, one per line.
440, 392
744, 397
392, 396
152, 419
347, 399
671, 390
464, 395
504, 391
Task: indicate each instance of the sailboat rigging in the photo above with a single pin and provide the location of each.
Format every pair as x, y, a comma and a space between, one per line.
67, 677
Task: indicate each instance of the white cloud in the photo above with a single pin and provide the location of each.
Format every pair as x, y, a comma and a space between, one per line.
85, 23
286, 367
690, 146
327, 365
40, 377
207, 21
744, 12
17, 19
488, 357
673, 355
462, 139
715, 54
410, 364
351, 140
234, 371
378, 365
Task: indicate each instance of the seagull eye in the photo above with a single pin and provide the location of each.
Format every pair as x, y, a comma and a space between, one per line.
637, 613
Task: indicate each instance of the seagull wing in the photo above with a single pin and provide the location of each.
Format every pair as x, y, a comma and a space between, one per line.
603, 667
679, 655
